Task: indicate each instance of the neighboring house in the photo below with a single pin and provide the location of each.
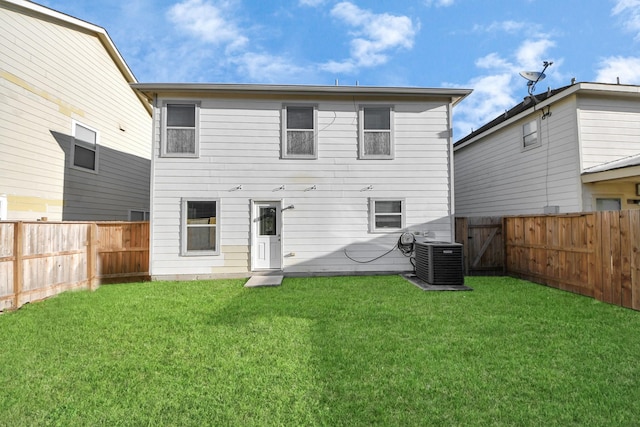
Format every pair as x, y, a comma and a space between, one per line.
299, 179
572, 149
74, 137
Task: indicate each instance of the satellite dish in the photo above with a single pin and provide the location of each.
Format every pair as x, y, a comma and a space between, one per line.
533, 76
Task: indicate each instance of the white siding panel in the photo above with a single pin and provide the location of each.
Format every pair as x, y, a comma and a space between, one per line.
495, 176
50, 75
610, 129
240, 145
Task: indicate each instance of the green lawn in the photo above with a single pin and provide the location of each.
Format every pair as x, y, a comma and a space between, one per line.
320, 351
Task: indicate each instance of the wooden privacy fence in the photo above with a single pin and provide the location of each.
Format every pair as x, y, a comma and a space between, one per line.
595, 254
42, 259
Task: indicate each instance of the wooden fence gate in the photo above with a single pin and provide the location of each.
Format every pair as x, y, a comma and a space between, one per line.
482, 238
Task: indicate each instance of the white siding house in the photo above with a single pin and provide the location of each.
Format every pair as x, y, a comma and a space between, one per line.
297, 179
74, 136
555, 155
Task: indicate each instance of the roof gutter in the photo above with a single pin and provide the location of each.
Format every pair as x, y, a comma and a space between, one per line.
149, 89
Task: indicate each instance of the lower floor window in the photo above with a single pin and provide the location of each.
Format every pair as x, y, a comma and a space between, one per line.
386, 215
200, 226
608, 204
138, 215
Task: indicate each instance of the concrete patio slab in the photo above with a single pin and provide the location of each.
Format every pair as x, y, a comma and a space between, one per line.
257, 281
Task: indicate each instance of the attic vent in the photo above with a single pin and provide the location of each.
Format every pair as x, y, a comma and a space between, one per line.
440, 263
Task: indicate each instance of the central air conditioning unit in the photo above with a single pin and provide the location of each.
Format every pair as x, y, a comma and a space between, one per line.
439, 263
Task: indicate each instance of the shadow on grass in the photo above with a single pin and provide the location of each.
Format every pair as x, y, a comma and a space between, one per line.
347, 351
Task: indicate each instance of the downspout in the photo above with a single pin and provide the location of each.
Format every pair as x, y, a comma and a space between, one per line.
452, 202
154, 150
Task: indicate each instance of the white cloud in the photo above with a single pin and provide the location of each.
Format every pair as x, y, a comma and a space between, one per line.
209, 22
531, 53
266, 68
510, 27
501, 88
439, 3
627, 69
492, 95
630, 12
312, 3
374, 36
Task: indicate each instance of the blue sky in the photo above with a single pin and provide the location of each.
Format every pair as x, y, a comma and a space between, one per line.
481, 45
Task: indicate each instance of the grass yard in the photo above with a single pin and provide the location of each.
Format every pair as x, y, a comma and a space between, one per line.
320, 351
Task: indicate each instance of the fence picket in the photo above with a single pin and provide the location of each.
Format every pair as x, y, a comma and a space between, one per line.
596, 254
41, 259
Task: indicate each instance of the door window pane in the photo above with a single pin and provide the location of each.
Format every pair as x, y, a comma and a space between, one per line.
268, 224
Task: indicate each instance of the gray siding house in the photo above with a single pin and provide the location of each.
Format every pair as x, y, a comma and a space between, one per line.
296, 179
572, 149
74, 137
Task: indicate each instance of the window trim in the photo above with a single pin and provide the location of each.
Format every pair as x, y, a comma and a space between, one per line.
163, 132
362, 131
86, 145
183, 226
285, 129
538, 141
373, 214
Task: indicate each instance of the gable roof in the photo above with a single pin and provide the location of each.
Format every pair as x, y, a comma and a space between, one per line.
543, 99
41, 12
514, 111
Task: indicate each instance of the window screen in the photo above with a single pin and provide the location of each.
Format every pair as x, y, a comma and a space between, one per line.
201, 225
181, 129
376, 138
300, 138
84, 147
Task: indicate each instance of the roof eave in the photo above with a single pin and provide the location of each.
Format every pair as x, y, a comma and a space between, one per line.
151, 89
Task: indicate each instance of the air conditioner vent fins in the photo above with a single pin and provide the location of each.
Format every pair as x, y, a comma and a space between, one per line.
439, 263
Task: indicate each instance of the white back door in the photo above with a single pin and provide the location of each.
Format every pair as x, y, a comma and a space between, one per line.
266, 250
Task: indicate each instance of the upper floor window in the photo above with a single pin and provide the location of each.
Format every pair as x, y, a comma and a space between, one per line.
530, 134
181, 130
376, 133
299, 135
85, 147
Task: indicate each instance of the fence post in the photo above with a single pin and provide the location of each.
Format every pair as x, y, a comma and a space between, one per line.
18, 264
462, 236
92, 256
503, 224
